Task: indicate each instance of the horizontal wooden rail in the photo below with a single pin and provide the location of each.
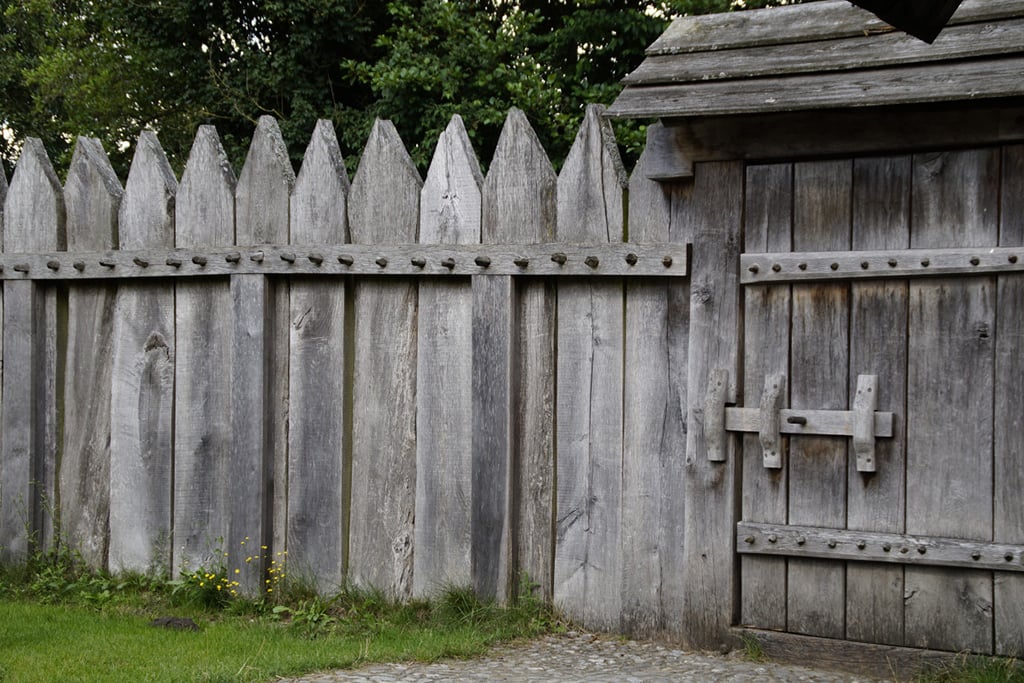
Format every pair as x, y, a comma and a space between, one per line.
856, 265
841, 544
553, 259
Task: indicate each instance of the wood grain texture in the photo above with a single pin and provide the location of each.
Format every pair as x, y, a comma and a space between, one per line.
588, 536
878, 346
450, 212
949, 418
34, 221
1008, 513
768, 219
520, 204
317, 423
818, 380
383, 208
204, 482
142, 392
714, 210
92, 195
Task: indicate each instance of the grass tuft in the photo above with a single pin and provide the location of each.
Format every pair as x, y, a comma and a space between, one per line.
973, 669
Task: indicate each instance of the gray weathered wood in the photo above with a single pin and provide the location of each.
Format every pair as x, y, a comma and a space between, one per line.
768, 218
949, 415
204, 482
383, 208
878, 314
259, 406
92, 195
818, 422
819, 375
317, 420
34, 218
450, 211
519, 204
142, 392
654, 428
714, 210
588, 564
1008, 513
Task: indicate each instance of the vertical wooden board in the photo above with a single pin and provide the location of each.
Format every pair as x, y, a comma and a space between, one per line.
316, 387
519, 205
768, 217
203, 480
587, 563
259, 411
34, 221
92, 195
878, 346
818, 380
654, 428
949, 413
384, 208
142, 390
450, 211
710, 571
1008, 521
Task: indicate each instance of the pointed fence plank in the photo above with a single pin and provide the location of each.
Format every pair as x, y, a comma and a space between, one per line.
587, 563
34, 218
317, 427
142, 398
92, 195
204, 483
450, 210
259, 397
519, 204
384, 208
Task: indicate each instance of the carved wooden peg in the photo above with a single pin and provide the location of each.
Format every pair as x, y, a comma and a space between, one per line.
864, 404
771, 420
714, 413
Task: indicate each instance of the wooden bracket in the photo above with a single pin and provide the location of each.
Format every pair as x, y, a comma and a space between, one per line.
715, 398
771, 416
864, 405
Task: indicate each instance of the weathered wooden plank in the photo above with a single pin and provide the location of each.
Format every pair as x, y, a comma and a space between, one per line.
317, 421
767, 226
949, 415
654, 428
204, 482
1008, 513
450, 212
259, 412
34, 218
710, 571
589, 403
92, 195
519, 204
142, 392
805, 422
383, 208
878, 346
818, 380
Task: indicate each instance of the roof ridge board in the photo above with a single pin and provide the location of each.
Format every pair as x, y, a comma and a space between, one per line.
961, 42
801, 23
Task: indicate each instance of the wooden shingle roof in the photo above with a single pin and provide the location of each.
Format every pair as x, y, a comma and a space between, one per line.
824, 55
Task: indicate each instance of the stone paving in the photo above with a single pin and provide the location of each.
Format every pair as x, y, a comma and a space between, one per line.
577, 657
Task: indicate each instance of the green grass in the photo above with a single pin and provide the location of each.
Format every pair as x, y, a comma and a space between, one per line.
968, 669
60, 624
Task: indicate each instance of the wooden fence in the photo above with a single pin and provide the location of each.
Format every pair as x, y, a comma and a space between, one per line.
400, 383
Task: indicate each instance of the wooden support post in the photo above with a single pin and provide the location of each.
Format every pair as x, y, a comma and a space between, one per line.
770, 434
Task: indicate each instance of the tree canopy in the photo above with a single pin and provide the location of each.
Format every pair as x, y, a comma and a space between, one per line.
109, 68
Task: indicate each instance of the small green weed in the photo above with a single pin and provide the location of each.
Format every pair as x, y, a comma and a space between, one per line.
752, 649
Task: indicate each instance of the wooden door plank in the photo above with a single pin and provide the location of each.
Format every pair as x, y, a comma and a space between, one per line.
450, 213
92, 194
878, 346
949, 414
588, 569
819, 379
1008, 522
317, 418
384, 208
142, 398
767, 227
203, 476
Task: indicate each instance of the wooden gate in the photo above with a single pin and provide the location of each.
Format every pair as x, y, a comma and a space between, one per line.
881, 403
